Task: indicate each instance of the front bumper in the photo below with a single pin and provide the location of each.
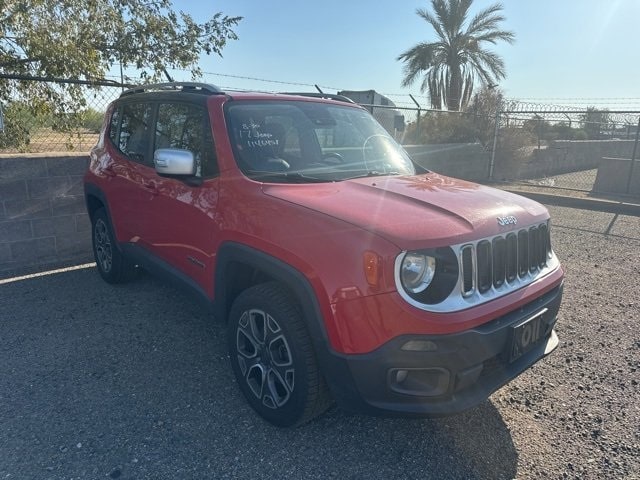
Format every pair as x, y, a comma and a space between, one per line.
460, 372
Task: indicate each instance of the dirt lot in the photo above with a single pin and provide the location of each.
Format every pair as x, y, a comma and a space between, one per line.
133, 382
45, 140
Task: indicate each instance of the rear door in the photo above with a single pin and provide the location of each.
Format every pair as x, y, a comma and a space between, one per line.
130, 164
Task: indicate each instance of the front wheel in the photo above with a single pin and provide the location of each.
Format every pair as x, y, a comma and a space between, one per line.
272, 357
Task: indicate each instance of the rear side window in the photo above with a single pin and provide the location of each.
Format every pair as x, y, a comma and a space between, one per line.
135, 136
186, 126
114, 125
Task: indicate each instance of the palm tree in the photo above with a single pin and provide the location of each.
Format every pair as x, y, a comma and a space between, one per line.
458, 58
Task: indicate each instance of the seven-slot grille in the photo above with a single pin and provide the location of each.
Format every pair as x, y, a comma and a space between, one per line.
504, 259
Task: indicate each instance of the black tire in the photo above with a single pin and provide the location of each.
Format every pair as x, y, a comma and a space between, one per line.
273, 358
112, 265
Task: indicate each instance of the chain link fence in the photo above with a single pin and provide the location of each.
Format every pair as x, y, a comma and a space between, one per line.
587, 150
452, 143
46, 117
548, 146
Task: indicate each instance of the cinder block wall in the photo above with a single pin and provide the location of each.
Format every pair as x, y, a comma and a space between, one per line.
613, 177
462, 160
43, 221
560, 156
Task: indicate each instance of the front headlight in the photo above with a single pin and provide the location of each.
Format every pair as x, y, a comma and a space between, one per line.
426, 277
417, 272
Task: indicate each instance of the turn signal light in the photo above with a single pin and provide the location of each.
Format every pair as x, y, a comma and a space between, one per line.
372, 269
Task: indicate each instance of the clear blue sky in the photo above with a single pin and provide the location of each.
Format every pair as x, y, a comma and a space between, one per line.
565, 49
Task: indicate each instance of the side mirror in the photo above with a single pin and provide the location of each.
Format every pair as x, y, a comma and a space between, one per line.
174, 161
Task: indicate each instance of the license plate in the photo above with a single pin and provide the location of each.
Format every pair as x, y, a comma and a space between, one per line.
526, 334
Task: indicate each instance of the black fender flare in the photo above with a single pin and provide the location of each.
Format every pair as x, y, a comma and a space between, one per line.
280, 271
332, 364
92, 190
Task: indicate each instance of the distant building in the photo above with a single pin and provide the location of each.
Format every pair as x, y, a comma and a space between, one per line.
380, 107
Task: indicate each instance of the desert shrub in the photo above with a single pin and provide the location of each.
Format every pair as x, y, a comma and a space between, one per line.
514, 149
18, 122
91, 120
443, 127
580, 134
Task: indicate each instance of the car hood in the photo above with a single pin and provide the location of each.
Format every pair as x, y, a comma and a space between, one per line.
418, 211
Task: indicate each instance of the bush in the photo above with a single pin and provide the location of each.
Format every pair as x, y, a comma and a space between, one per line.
476, 124
580, 134
18, 122
91, 120
514, 149
445, 127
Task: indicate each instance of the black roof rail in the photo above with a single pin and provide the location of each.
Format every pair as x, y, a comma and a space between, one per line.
330, 96
182, 86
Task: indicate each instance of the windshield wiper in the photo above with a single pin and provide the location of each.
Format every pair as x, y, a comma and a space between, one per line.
372, 173
288, 177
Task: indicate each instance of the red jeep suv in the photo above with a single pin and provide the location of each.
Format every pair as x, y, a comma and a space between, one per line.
344, 271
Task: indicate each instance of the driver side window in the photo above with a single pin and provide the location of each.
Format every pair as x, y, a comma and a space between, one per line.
186, 126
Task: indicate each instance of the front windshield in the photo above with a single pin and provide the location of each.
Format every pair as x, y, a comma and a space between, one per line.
276, 141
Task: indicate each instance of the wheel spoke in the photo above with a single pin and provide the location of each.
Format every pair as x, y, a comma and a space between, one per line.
257, 322
246, 344
272, 325
247, 363
280, 351
278, 391
286, 376
256, 377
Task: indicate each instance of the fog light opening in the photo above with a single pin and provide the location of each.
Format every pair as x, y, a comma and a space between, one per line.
421, 382
401, 375
420, 346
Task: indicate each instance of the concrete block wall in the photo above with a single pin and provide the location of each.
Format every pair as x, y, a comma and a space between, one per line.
43, 221
563, 156
469, 161
613, 177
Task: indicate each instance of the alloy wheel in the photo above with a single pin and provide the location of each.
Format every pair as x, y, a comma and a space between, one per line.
104, 254
265, 358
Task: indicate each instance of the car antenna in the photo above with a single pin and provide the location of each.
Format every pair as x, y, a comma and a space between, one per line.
318, 88
169, 77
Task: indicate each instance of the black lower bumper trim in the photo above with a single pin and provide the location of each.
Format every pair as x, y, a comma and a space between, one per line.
459, 373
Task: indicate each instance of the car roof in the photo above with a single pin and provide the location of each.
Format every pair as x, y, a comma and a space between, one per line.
182, 89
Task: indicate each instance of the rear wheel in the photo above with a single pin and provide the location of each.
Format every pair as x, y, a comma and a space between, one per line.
272, 357
112, 265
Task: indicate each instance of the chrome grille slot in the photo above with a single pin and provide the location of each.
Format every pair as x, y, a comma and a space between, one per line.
543, 238
549, 249
533, 249
484, 264
499, 255
523, 253
512, 257
468, 284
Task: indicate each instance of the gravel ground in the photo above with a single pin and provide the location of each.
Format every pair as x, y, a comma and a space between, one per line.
133, 382
583, 180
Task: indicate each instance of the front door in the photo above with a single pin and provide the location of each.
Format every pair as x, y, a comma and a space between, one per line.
180, 219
